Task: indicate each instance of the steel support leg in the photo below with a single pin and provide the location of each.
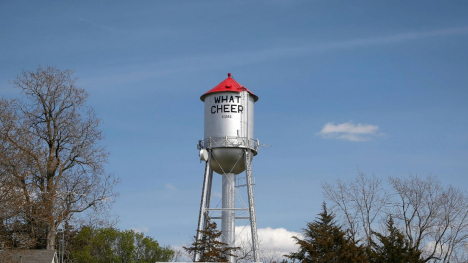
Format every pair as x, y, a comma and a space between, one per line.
253, 220
204, 203
208, 195
228, 216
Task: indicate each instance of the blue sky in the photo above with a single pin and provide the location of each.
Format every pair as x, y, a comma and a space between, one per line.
379, 86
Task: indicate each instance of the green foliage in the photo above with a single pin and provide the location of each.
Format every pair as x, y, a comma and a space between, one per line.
324, 242
209, 247
112, 245
394, 247
81, 248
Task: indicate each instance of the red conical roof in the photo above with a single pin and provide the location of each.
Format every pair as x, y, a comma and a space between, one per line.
228, 85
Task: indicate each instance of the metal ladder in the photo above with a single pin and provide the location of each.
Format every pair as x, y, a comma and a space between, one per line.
242, 117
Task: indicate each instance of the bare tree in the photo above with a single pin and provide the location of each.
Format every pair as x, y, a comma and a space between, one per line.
434, 217
245, 252
360, 203
52, 143
462, 253
272, 256
13, 232
179, 255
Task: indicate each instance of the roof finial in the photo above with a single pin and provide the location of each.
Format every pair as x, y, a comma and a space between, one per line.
229, 75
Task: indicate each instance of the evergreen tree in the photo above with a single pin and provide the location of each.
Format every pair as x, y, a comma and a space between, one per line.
324, 242
209, 247
393, 248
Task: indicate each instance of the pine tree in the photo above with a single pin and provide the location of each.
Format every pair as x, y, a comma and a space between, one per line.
324, 241
209, 247
394, 247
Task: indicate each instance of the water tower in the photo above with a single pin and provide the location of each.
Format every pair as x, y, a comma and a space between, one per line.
228, 148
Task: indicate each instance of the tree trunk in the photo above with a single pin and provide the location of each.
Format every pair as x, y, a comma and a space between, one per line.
51, 237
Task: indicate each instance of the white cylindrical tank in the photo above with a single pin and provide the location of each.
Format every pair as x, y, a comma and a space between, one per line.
229, 113
229, 125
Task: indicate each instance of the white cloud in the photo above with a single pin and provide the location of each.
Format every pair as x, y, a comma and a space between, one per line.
349, 131
197, 63
271, 240
142, 229
180, 254
389, 39
440, 249
170, 186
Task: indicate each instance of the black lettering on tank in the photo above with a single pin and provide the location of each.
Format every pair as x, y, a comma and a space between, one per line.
217, 99
226, 107
213, 109
231, 99
224, 98
219, 108
240, 108
233, 108
238, 97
